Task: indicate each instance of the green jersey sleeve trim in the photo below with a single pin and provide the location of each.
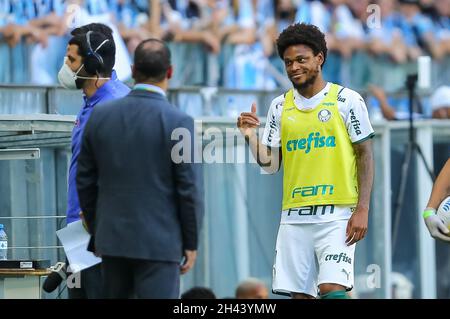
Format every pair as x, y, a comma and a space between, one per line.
365, 139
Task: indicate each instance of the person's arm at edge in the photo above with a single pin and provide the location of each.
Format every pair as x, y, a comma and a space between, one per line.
441, 187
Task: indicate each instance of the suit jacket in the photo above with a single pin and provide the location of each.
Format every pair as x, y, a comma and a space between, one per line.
137, 202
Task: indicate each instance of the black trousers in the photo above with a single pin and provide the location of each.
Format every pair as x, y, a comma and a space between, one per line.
138, 278
90, 284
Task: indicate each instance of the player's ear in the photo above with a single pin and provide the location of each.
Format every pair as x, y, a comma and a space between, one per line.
170, 72
320, 58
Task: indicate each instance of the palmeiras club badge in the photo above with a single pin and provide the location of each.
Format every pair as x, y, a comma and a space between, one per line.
324, 115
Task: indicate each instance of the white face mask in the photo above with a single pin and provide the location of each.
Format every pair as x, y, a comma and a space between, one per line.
67, 78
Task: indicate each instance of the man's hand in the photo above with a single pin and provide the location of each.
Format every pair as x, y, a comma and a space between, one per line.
83, 221
189, 260
437, 228
357, 226
248, 121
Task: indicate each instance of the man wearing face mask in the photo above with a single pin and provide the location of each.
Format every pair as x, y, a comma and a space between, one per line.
88, 65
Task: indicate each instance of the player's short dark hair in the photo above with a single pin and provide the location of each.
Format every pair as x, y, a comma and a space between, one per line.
96, 27
302, 33
415, 2
198, 293
151, 60
107, 50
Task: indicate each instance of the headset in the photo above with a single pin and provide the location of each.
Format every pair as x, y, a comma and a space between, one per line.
93, 62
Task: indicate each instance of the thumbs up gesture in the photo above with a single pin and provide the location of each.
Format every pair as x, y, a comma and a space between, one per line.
247, 122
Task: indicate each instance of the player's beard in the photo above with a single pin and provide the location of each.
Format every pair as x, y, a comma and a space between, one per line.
308, 82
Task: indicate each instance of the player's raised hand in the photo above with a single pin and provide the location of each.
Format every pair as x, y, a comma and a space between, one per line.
247, 122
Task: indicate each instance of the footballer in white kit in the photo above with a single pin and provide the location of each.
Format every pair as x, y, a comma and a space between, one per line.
322, 134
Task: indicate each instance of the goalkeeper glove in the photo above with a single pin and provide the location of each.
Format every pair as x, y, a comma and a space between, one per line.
435, 225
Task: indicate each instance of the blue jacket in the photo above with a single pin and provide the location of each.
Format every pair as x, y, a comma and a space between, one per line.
113, 89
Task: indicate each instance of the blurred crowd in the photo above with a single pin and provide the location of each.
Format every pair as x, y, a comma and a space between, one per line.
231, 43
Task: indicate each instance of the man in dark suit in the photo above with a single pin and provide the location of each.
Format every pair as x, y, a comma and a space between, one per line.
142, 208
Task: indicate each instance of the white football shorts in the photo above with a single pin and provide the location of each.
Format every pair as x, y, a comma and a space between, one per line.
308, 255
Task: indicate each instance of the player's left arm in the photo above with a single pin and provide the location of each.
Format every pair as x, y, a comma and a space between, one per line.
358, 223
441, 187
361, 132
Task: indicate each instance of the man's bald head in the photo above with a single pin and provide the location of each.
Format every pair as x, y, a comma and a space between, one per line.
151, 61
252, 288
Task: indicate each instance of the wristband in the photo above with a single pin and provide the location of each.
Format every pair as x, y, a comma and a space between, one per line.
428, 212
